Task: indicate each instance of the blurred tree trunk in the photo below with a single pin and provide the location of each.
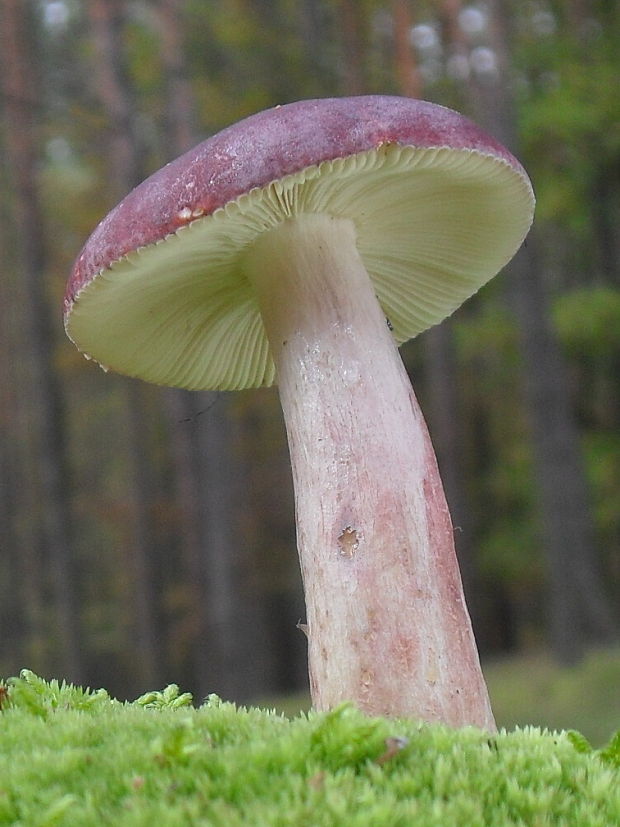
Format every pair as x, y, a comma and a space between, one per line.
441, 370
351, 22
22, 100
125, 164
20, 526
229, 646
579, 609
445, 413
605, 211
210, 597
314, 31
24, 630
13, 613
604, 204
14, 631
406, 71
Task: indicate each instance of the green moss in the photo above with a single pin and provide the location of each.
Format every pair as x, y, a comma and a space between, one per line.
71, 757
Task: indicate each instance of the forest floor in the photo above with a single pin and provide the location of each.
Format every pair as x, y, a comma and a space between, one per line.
533, 689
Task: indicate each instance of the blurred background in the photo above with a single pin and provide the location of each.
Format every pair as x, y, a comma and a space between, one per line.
146, 534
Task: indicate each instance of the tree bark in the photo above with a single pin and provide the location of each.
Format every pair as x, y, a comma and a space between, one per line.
405, 66
579, 608
21, 90
314, 33
439, 357
351, 19
107, 20
227, 615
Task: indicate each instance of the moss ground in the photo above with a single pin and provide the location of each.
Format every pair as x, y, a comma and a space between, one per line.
72, 757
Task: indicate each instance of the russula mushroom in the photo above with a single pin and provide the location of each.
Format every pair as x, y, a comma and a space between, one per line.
302, 245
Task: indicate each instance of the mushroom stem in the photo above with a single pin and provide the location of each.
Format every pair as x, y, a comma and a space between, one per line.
387, 623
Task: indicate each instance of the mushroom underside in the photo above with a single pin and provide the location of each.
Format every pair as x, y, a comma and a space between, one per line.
432, 226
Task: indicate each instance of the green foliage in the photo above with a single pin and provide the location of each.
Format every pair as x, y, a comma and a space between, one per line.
41, 697
486, 332
501, 490
333, 745
170, 698
153, 762
588, 324
570, 117
588, 321
610, 754
603, 456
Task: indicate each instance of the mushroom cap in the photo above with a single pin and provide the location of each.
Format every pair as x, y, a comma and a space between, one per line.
159, 292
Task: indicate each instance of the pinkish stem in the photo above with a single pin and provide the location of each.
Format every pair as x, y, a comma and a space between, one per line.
387, 623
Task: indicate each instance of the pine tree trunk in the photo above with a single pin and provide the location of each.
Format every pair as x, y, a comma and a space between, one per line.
229, 620
439, 356
579, 609
22, 98
351, 20
107, 20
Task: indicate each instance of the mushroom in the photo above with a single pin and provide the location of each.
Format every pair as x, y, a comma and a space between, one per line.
303, 245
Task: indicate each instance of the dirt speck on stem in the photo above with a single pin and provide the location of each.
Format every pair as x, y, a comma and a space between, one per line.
348, 541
